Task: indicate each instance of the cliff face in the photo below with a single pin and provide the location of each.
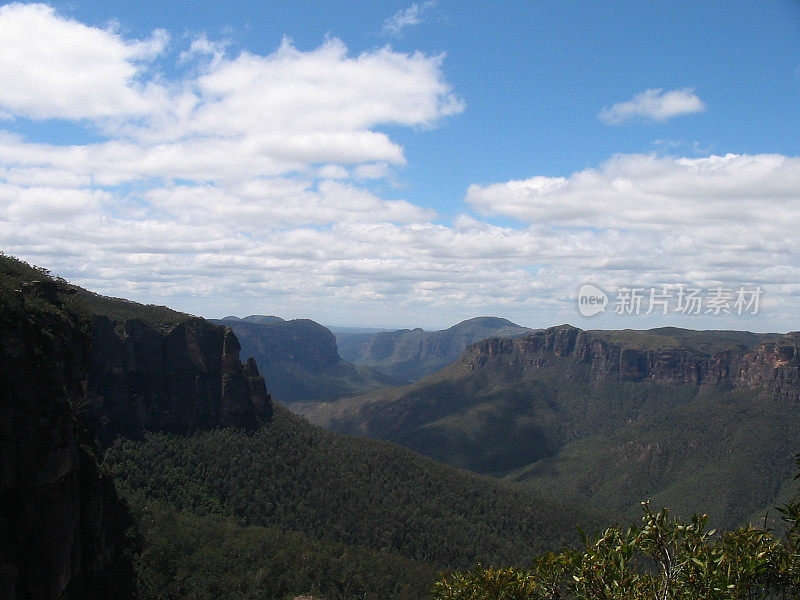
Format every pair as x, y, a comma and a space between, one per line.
773, 366
61, 522
300, 360
300, 341
68, 374
184, 377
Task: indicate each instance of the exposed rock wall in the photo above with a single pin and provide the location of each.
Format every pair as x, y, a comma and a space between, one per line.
64, 378
411, 354
61, 522
772, 366
300, 341
186, 377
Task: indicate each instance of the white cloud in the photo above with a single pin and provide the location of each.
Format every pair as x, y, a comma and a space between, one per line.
377, 170
413, 15
332, 172
241, 176
248, 184
646, 192
239, 116
203, 47
63, 69
23, 204
647, 220
258, 205
653, 105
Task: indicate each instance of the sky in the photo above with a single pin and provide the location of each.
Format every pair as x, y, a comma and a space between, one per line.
403, 164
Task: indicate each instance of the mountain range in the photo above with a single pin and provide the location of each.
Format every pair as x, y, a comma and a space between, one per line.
300, 360
411, 354
137, 446
305, 361
698, 421
142, 458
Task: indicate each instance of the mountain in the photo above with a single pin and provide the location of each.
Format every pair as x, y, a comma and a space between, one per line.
704, 421
300, 360
350, 330
411, 354
263, 319
138, 451
62, 524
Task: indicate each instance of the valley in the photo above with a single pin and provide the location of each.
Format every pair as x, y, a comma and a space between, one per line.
693, 420
200, 468
153, 433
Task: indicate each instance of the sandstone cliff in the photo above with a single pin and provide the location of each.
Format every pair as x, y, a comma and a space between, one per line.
411, 354
300, 360
187, 376
72, 369
61, 522
772, 366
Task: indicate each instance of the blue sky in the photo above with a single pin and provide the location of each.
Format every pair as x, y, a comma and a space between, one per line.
404, 164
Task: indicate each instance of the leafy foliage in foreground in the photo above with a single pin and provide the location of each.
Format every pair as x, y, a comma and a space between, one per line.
213, 558
663, 559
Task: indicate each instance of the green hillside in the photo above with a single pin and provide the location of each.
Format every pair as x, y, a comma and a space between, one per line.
558, 426
339, 489
209, 557
275, 510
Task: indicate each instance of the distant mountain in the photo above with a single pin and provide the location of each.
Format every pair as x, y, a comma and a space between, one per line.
411, 354
351, 330
704, 421
299, 359
263, 319
234, 497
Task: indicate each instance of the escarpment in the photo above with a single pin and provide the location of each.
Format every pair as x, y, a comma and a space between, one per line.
70, 374
185, 377
772, 366
61, 522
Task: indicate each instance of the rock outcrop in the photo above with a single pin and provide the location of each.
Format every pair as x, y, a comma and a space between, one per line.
411, 354
300, 360
772, 366
185, 377
61, 522
303, 342
70, 373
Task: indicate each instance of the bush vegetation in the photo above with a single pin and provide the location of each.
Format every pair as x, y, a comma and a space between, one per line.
662, 559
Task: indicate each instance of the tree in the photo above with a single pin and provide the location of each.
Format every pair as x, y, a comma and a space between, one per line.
662, 559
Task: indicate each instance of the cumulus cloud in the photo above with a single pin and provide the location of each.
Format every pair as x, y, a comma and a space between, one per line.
63, 69
636, 191
647, 220
249, 183
413, 15
245, 115
653, 105
231, 178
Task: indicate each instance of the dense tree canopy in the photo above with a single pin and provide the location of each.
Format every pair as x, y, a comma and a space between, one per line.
662, 559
